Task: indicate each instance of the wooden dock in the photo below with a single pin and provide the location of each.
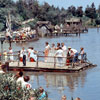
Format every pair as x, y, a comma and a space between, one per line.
48, 67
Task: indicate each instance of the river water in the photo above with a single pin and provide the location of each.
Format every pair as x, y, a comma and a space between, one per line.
86, 84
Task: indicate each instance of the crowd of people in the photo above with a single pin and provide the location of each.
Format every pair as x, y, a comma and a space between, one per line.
63, 54
30, 54
23, 34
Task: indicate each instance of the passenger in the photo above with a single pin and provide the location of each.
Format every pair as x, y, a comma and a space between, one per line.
59, 54
63, 47
19, 77
23, 52
53, 46
42, 93
64, 50
51, 53
63, 97
82, 54
75, 55
25, 84
58, 45
5, 55
72, 55
69, 55
29, 51
11, 54
77, 98
46, 51
33, 56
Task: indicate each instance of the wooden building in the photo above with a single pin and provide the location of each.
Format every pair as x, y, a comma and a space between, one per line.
44, 28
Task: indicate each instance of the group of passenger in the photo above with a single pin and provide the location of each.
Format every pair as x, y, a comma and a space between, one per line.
8, 55
30, 53
63, 54
23, 34
29, 34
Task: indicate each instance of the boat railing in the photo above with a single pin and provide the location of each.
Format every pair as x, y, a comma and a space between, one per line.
40, 60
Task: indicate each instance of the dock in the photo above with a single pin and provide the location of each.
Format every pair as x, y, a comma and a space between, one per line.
48, 67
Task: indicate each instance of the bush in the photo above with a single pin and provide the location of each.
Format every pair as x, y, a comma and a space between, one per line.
10, 90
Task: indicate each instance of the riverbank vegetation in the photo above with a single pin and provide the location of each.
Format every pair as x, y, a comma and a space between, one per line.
11, 90
28, 9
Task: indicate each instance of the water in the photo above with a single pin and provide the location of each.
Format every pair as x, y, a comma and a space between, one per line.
84, 84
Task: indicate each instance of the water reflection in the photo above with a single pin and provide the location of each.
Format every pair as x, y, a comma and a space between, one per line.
59, 81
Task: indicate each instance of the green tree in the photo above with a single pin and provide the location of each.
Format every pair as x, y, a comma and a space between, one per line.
91, 12
71, 10
79, 12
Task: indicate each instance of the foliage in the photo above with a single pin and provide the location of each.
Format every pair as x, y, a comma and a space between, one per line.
37, 95
91, 11
79, 12
27, 9
10, 90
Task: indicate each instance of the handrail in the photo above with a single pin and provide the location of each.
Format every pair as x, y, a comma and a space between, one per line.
54, 59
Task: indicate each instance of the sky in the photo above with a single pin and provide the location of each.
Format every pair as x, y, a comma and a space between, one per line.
67, 3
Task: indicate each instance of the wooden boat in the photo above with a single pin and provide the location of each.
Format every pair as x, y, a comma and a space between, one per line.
35, 38
51, 64
41, 66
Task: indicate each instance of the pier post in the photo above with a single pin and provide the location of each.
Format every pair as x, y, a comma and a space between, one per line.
37, 61
54, 62
18, 58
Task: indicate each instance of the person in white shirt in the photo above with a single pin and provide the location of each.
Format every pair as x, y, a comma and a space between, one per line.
25, 84
11, 54
20, 78
23, 52
63, 47
72, 54
33, 54
59, 54
64, 50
